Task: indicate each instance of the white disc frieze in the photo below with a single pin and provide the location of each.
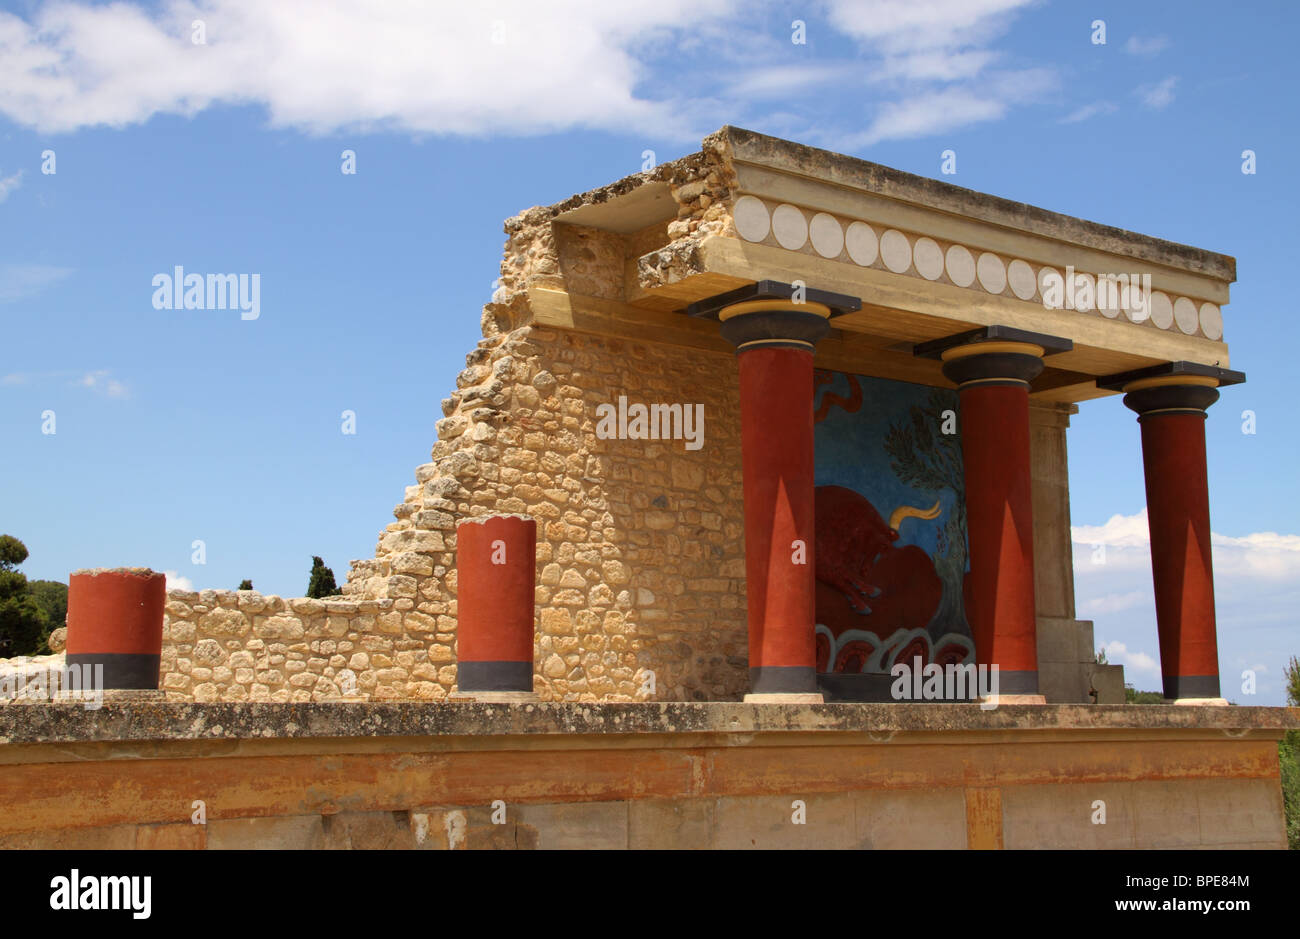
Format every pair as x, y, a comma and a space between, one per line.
827, 235
1186, 315
928, 258
1085, 293
1022, 280
992, 275
860, 240
1162, 310
960, 266
1112, 294
751, 218
1211, 321
1137, 304
1051, 286
895, 251
790, 227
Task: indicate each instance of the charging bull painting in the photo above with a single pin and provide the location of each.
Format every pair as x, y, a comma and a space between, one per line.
891, 526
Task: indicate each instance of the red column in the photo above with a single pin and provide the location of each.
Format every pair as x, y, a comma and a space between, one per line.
496, 564
1171, 411
776, 419
993, 388
775, 351
115, 620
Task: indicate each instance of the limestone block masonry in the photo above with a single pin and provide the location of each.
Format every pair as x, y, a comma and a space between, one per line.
640, 551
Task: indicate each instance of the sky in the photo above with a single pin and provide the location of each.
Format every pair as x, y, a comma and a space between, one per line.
211, 135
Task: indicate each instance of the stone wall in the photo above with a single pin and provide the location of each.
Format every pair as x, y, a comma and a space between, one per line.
654, 775
640, 545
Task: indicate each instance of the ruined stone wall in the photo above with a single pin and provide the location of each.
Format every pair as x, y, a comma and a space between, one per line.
640, 545
640, 550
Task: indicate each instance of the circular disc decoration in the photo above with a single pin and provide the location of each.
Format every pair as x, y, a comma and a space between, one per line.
751, 218
1211, 321
1085, 292
860, 240
1051, 285
992, 275
1136, 307
1186, 316
790, 227
1162, 311
1108, 305
960, 265
1021, 277
895, 251
827, 236
928, 258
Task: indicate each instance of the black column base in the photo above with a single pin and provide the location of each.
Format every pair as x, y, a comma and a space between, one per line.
1191, 686
128, 671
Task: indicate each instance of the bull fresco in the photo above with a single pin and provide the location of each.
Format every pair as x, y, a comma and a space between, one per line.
891, 526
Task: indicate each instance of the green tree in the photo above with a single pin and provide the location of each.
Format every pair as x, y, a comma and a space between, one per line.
1133, 696
52, 597
1288, 754
23, 624
321, 583
245, 584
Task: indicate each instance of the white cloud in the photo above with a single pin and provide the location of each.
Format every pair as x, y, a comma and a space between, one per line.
101, 382
322, 65
1256, 592
922, 25
176, 582
1087, 111
1114, 603
9, 183
936, 66
1152, 46
1121, 531
1117, 653
674, 69
782, 80
950, 107
1125, 542
924, 45
1159, 95
22, 281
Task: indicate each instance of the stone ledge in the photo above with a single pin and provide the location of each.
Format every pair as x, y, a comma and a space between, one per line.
70, 722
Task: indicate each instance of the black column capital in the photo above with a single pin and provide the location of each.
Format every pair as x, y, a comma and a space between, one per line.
771, 314
993, 355
1171, 387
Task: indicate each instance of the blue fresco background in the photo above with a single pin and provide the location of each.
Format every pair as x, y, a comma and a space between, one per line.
850, 451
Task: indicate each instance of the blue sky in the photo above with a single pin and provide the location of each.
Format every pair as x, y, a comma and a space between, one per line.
173, 426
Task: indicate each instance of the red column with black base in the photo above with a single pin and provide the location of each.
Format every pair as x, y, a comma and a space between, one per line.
775, 343
115, 620
1171, 411
993, 388
496, 576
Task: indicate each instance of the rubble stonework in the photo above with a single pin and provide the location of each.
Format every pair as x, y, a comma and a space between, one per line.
640, 543
640, 546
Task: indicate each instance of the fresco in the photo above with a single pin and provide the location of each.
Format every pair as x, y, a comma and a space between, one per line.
891, 526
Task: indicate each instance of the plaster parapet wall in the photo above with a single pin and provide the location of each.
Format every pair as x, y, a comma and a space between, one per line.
39, 723
639, 775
